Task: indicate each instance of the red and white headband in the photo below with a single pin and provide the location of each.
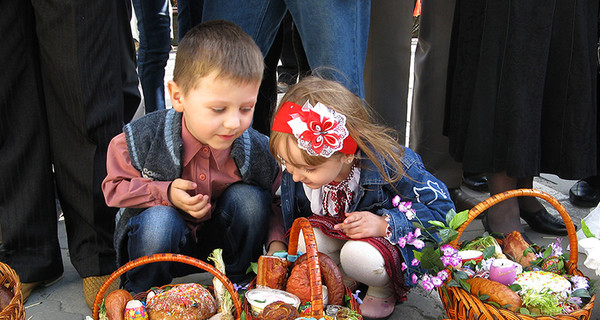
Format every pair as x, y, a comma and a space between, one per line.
320, 131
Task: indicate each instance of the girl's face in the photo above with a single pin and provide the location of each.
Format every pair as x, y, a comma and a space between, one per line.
336, 168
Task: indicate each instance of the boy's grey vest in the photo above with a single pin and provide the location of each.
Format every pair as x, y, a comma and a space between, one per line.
156, 150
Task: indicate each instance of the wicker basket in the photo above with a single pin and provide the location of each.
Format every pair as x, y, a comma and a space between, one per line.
162, 257
460, 304
10, 279
316, 289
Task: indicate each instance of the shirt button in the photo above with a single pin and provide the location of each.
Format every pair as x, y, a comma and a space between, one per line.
164, 203
202, 177
205, 149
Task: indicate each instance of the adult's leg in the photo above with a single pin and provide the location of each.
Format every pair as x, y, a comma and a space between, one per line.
157, 229
83, 74
239, 225
27, 195
387, 68
189, 14
154, 20
429, 97
334, 35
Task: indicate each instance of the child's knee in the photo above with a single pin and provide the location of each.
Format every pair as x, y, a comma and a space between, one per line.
157, 229
363, 262
251, 204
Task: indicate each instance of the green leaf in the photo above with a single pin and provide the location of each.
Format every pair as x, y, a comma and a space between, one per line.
449, 216
515, 287
418, 254
460, 275
524, 311
447, 235
437, 223
430, 259
417, 225
453, 283
465, 285
484, 297
495, 304
252, 268
586, 230
582, 293
459, 219
506, 306
546, 253
489, 252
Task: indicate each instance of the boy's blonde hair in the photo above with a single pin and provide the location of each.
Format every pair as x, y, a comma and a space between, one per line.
379, 143
217, 46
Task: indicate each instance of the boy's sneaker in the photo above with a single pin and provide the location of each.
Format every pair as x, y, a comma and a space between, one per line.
91, 286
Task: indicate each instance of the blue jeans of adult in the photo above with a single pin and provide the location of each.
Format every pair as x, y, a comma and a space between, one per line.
154, 25
238, 225
334, 33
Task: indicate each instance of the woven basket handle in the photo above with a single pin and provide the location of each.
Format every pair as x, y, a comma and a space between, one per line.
173, 257
487, 203
316, 289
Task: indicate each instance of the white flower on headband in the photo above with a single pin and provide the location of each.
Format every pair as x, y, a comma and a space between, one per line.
320, 131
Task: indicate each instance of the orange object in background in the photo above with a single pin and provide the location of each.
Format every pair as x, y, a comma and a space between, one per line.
417, 11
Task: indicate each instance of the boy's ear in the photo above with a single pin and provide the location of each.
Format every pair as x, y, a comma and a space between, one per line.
176, 95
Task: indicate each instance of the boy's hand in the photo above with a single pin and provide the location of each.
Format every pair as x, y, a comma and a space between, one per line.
362, 224
197, 206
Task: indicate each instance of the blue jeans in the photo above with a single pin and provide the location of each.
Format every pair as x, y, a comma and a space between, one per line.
154, 25
334, 33
238, 225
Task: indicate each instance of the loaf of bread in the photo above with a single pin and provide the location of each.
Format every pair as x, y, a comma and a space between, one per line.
497, 292
299, 282
5, 297
272, 272
279, 310
189, 301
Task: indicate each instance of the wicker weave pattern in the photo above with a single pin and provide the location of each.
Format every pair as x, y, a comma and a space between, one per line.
10, 279
460, 304
162, 257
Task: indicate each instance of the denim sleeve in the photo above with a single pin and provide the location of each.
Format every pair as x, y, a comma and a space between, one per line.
429, 197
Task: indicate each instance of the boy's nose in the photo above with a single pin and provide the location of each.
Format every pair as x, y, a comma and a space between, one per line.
232, 122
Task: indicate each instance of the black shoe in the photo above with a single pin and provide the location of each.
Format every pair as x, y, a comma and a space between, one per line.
462, 201
477, 182
584, 194
543, 222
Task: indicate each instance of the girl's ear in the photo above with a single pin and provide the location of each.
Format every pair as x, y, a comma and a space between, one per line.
176, 95
348, 158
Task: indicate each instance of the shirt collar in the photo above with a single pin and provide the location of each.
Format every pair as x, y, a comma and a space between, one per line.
191, 147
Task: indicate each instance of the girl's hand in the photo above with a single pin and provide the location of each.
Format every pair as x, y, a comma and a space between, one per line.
197, 206
362, 224
276, 246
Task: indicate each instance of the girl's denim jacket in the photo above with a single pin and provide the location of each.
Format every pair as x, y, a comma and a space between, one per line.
429, 196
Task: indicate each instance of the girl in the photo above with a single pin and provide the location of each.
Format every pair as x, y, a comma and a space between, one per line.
342, 172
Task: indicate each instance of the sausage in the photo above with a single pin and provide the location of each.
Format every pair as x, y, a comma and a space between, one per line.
331, 276
115, 303
497, 292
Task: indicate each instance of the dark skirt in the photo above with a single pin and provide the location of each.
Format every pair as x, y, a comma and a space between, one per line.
522, 89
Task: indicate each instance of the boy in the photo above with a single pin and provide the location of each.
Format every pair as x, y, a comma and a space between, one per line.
196, 177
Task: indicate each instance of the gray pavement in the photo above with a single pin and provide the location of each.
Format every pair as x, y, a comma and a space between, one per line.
64, 300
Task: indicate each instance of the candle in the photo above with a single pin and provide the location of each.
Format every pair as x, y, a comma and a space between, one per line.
504, 271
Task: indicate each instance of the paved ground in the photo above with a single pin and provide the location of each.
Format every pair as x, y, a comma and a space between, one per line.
64, 300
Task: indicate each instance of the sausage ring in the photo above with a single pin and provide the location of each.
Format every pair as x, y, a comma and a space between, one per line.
298, 279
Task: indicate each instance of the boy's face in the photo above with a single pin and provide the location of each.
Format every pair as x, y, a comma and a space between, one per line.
217, 111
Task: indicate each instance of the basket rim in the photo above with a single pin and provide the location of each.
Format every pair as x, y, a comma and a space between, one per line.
15, 308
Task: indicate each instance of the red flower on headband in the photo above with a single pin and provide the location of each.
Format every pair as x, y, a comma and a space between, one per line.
320, 131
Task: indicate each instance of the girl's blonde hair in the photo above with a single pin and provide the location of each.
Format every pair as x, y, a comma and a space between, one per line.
377, 142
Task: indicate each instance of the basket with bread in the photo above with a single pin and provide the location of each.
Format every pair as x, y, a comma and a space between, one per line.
186, 301
305, 286
11, 299
505, 277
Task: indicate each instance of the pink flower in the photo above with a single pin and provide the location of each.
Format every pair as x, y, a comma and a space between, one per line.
427, 285
448, 250
417, 232
415, 279
402, 242
437, 282
455, 261
443, 275
396, 201
415, 262
419, 244
403, 266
